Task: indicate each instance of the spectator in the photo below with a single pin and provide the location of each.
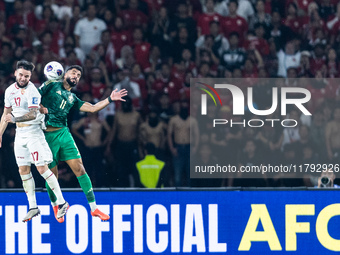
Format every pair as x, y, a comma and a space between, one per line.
124, 135
88, 30
245, 9
182, 20
220, 43
305, 140
155, 59
302, 5
318, 59
70, 23
234, 23
150, 169
183, 41
304, 68
206, 158
288, 58
97, 87
261, 17
279, 31
6, 59
102, 7
138, 77
204, 20
109, 19
234, 57
69, 46
93, 148
133, 17
257, 41
333, 24
317, 133
21, 17
153, 130
3, 36
65, 10
179, 144
41, 25
132, 87
119, 36
127, 58
292, 20
251, 156
167, 84
332, 64
160, 31
326, 9
108, 53
48, 44
271, 61
50, 3
141, 48
291, 134
333, 137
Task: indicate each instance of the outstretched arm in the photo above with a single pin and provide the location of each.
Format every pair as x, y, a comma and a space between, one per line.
115, 96
4, 123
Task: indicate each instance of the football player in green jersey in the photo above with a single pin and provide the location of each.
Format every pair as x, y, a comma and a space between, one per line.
58, 100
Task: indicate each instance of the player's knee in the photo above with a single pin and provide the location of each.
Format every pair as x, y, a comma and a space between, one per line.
79, 170
42, 169
23, 170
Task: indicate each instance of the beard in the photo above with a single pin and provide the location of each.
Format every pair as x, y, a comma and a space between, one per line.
71, 83
16, 80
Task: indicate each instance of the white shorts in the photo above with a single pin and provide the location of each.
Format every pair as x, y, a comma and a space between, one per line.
32, 149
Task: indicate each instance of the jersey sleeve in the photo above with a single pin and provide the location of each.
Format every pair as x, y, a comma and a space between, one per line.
78, 103
7, 102
33, 98
45, 87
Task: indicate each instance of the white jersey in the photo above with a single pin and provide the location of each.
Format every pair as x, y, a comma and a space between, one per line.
21, 100
30, 145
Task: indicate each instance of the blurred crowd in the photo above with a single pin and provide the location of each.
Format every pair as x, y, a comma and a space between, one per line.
153, 48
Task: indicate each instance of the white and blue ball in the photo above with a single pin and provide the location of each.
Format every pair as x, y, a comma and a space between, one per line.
53, 71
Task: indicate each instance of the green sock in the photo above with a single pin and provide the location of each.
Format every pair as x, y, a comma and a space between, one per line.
86, 186
51, 194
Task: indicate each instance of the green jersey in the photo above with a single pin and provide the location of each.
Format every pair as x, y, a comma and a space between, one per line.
59, 102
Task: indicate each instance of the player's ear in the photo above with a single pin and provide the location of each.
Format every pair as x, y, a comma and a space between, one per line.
15, 73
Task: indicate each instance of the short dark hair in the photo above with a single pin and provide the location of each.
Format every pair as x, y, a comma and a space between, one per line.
26, 65
234, 34
214, 22
79, 68
233, 1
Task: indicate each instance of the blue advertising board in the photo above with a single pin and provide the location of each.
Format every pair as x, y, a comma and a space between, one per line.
177, 222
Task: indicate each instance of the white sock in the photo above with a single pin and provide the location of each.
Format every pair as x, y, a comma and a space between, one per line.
54, 203
93, 206
29, 187
54, 185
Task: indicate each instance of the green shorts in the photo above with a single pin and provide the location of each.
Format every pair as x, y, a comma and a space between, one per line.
62, 146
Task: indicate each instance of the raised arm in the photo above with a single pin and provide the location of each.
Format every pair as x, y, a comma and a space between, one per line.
115, 96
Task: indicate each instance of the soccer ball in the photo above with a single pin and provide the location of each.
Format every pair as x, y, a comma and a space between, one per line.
54, 71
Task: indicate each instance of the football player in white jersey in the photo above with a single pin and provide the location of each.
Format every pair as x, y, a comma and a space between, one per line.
22, 101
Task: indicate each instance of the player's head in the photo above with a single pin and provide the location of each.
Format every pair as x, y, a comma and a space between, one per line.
23, 73
73, 74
